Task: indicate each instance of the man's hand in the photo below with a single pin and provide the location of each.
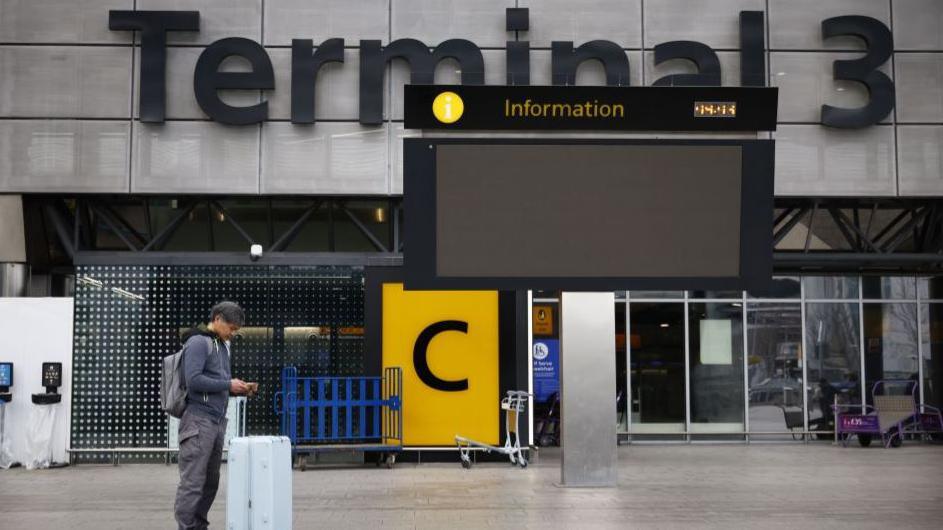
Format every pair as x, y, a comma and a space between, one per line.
253, 389
238, 387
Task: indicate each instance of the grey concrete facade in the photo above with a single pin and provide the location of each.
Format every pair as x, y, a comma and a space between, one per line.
69, 90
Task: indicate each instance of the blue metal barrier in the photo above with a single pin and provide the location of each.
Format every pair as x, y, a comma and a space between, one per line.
341, 413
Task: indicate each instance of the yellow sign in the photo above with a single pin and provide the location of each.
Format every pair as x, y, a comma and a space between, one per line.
543, 320
447, 345
448, 107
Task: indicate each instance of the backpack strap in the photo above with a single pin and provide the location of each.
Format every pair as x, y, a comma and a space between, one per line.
214, 345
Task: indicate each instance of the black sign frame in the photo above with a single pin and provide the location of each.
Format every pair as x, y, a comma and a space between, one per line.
52, 375
420, 235
655, 108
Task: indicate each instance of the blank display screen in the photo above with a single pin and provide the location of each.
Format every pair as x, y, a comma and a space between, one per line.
655, 211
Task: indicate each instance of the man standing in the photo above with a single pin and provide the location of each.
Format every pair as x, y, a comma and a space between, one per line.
203, 425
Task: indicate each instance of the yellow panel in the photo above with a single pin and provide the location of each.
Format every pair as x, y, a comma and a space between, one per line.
432, 416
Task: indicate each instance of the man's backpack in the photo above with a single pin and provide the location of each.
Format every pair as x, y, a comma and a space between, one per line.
173, 385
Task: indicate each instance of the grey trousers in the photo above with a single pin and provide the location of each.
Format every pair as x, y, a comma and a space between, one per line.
199, 460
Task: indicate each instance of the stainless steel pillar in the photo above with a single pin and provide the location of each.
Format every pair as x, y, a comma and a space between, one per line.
14, 279
588, 389
14, 274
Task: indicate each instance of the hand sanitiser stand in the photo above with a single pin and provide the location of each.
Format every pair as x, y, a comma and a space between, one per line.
39, 434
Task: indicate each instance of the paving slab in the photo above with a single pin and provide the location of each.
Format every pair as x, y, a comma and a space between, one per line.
660, 486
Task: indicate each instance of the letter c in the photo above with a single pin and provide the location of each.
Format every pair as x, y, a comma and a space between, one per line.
421, 363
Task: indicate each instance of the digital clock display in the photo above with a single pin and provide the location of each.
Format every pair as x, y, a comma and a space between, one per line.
715, 109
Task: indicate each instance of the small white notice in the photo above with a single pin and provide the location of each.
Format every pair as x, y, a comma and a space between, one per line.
716, 341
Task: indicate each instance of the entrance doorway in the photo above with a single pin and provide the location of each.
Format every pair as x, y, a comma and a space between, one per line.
657, 367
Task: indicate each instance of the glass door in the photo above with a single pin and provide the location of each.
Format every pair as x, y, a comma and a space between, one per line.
656, 358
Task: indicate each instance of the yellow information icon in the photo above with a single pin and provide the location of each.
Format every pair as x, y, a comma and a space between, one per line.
448, 107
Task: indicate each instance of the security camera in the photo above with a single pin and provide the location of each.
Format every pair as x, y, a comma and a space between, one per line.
255, 252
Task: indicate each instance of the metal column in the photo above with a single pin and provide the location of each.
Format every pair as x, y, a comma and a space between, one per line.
588, 389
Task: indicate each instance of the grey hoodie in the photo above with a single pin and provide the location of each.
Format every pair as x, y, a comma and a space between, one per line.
207, 371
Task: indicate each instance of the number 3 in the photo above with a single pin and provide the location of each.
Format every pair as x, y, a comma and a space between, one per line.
880, 44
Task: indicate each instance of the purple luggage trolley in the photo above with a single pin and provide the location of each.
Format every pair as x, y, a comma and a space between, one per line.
891, 417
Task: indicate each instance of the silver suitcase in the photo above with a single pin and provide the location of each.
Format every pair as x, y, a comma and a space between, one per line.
258, 493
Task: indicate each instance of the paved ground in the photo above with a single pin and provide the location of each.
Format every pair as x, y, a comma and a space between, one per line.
677, 486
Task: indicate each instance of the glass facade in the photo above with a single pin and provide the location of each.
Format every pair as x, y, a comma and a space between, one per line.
621, 366
774, 367
830, 287
722, 364
715, 357
657, 383
931, 333
689, 365
128, 317
891, 348
888, 288
832, 338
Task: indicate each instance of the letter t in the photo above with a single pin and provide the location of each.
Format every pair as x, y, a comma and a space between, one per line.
153, 26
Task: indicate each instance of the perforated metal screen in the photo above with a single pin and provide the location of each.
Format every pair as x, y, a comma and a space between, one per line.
128, 317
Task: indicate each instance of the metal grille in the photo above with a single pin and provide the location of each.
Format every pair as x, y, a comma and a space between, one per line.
128, 317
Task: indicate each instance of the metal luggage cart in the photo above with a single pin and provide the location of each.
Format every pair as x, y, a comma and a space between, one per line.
891, 418
513, 405
336, 414
794, 421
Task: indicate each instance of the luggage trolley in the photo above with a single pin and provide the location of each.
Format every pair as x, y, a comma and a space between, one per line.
335, 414
891, 418
513, 405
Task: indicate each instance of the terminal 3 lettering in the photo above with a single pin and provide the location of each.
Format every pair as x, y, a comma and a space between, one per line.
306, 61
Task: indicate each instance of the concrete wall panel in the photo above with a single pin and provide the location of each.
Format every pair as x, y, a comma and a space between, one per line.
329, 158
351, 20
195, 157
814, 160
50, 156
921, 160
65, 82
619, 21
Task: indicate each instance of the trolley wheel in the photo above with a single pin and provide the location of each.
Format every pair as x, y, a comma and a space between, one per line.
303, 463
466, 464
390, 460
864, 440
896, 440
523, 463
